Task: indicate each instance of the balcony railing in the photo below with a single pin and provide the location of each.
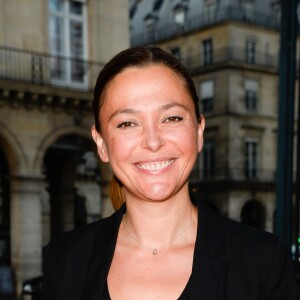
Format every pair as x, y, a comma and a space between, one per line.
234, 174
203, 20
234, 55
46, 69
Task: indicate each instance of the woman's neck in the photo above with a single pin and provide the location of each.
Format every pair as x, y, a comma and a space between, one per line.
161, 222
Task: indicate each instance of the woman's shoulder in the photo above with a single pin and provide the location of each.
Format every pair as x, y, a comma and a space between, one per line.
251, 248
257, 260
83, 236
239, 242
247, 238
70, 255
240, 237
234, 232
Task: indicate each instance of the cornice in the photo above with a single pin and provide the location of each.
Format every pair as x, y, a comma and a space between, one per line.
45, 100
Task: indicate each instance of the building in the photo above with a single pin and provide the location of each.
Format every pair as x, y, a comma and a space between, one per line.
231, 48
51, 52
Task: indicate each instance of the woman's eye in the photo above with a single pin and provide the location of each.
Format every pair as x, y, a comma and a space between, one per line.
173, 119
126, 124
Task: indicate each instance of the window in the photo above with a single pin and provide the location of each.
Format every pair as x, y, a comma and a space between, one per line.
251, 94
209, 11
157, 5
276, 11
254, 214
207, 52
209, 158
150, 28
67, 21
250, 51
207, 95
179, 15
176, 52
248, 7
251, 162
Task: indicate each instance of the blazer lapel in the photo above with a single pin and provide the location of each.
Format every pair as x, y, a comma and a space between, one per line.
101, 258
210, 266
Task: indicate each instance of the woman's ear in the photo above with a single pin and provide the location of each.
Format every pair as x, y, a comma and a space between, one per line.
201, 126
101, 147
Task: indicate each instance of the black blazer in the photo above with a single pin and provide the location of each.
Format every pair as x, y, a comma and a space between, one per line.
231, 261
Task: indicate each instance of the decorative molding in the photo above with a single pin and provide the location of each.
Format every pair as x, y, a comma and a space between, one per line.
29, 100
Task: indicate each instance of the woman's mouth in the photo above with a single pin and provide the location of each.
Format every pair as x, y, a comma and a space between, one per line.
155, 165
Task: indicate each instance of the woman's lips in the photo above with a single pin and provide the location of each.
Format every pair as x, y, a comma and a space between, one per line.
155, 165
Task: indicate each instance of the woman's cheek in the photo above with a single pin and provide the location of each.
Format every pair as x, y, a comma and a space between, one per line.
121, 145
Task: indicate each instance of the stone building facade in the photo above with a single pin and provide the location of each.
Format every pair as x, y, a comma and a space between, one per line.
231, 48
51, 52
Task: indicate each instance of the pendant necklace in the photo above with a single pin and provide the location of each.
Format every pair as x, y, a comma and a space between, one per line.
155, 250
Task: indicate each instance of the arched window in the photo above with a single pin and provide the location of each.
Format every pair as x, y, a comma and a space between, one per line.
253, 214
68, 162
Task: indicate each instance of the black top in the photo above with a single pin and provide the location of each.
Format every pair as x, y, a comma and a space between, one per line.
105, 295
184, 295
231, 261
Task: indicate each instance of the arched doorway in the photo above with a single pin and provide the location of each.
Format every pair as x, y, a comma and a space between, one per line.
253, 213
4, 211
64, 164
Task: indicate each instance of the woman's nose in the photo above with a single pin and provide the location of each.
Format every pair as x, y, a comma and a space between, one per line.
152, 138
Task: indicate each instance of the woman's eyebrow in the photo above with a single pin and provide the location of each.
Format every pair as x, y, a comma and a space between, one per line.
123, 111
174, 104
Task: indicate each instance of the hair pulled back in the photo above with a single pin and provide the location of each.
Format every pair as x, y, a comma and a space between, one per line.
136, 57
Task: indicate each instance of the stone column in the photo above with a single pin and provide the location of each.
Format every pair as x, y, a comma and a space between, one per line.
26, 227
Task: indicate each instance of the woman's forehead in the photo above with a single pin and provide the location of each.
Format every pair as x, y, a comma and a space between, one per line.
152, 88
141, 78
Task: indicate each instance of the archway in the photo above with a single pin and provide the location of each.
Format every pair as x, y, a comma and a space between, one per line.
253, 213
66, 163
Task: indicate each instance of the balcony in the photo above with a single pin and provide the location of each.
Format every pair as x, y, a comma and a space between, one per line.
45, 69
201, 21
234, 175
235, 57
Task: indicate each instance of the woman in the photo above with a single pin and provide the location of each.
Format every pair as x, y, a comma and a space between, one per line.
162, 243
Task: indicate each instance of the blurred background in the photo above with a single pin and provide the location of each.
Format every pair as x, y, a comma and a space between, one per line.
51, 52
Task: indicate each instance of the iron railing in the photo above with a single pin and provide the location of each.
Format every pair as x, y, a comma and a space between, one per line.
71, 73
233, 174
47, 69
234, 55
201, 21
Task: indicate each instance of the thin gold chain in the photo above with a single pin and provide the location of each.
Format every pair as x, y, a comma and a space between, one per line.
155, 249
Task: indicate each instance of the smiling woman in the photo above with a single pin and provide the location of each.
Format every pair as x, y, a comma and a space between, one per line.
149, 133
162, 242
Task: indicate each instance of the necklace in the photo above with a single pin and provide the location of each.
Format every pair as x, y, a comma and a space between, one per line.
154, 249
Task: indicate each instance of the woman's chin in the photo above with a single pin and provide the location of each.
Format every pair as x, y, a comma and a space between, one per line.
158, 193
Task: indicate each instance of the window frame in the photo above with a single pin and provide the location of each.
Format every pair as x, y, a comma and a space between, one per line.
207, 51
179, 15
207, 95
251, 157
65, 60
149, 22
176, 52
251, 51
209, 11
251, 95
209, 158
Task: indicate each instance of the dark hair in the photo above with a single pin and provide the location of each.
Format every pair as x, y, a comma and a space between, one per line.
136, 57
139, 57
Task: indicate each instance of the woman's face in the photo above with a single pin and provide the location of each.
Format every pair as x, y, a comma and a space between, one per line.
149, 132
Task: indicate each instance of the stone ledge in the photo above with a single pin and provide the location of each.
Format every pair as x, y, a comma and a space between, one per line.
70, 103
